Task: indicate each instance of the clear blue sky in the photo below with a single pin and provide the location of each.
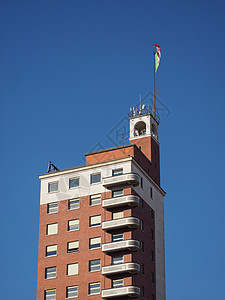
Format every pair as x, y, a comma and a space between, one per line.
69, 71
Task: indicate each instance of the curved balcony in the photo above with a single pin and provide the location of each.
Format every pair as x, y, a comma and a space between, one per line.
120, 180
129, 222
131, 268
129, 200
131, 245
130, 291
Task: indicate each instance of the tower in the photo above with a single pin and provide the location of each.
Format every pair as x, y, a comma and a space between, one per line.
101, 232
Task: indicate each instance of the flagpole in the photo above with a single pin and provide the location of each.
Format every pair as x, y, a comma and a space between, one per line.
153, 83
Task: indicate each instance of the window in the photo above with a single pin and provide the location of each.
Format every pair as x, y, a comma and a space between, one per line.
153, 278
142, 269
72, 269
95, 221
153, 297
142, 204
152, 234
141, 182
95, 178
95, 265
117, 260
142, 247
53, 187
52, 229
117, 172
142, 225
52, 208
117, 193
151, 193
72, 291
94, 288
142, 292
117, 237
51, 250
117, 215
50, 294
116, 283
50, 273
74, 182
95, 199
72, 247
95, 243
73, 225
152, 213
74, 204
152, 256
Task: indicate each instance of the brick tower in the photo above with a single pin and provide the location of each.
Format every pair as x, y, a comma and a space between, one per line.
101, 232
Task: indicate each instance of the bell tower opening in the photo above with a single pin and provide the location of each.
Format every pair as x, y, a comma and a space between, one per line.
140, 128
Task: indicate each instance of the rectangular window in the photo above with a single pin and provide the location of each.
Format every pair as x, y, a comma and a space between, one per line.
117, 172
117, 193
50, 273
153, 278
152, 214
142, 292
95, 199
73, 225
72, 291
94, 288
117, 260
142, 247
116, 283
95, 243
117, 215
53, 187
142, 204
72, 269
72, 247
50, 294
52, 229
152, 234
95, 221
117, 237
142, 269
74, 204
95, 178
151, 193
95, 265
52, 208
152, 255
51, 250
74, 182
141, 182
142, 225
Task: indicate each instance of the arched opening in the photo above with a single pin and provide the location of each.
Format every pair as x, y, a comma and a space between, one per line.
140, 128
154, 130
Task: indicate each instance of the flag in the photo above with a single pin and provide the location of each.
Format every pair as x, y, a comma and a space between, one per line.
157, 57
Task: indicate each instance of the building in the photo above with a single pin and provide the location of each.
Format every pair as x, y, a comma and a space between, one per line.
101, 230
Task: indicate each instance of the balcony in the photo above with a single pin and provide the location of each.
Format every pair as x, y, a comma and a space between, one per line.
131, 245
121, 180
129, 200
129, 222
130, 291
131, 268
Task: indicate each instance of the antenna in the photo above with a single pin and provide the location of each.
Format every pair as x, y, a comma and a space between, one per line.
140, 102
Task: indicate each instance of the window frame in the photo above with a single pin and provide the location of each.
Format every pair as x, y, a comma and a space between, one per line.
113, 193
70, 266
93, 174
95, 197
54, 272
54, 212
95, 224
74, 286
121, 261
117, 280
89, 288
114, 170
97, 266
73, 199
48, 226
73, 250
46, 251
69, 229
51, 183
93, 248
49, 290
117, 234
74, 178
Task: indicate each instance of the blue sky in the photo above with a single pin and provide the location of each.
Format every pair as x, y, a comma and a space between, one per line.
69, 71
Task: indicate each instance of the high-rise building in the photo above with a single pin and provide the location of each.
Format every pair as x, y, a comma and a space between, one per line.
101, 230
